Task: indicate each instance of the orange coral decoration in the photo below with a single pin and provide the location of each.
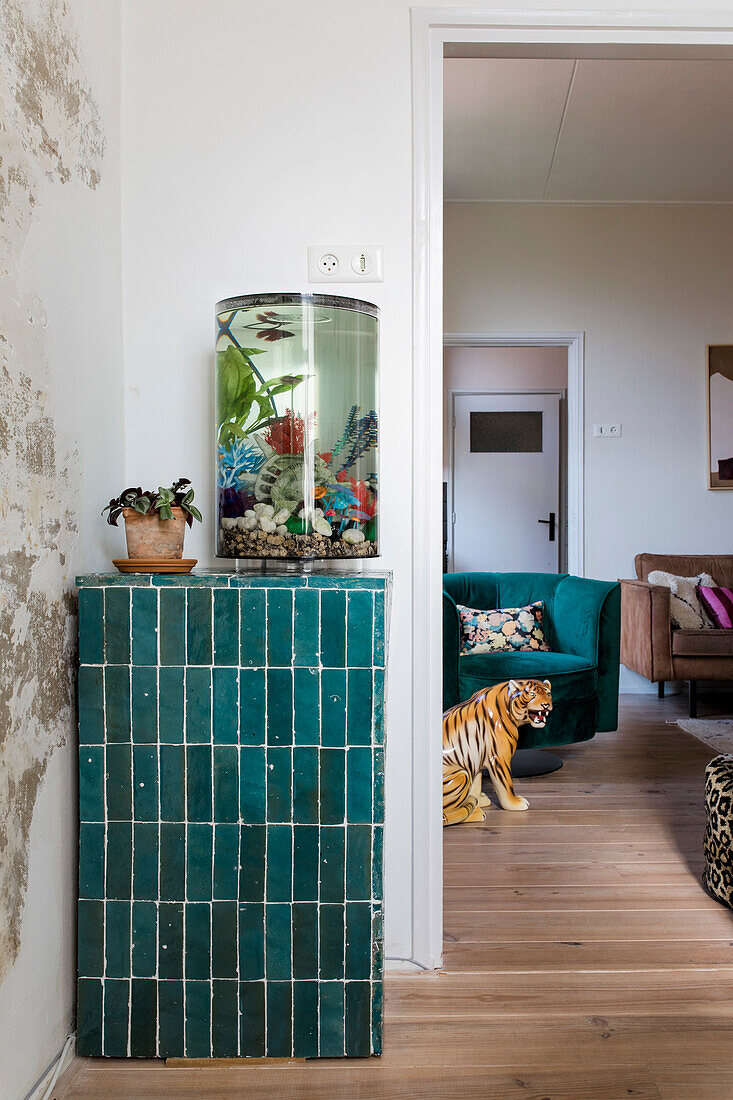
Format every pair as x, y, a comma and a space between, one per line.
365, 496
287, 434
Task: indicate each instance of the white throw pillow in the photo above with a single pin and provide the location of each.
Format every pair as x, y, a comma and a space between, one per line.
685, 609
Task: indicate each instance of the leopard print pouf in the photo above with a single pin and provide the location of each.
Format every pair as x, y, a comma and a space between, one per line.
717, 878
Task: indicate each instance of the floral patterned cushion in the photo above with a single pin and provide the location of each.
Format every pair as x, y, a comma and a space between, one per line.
502, 630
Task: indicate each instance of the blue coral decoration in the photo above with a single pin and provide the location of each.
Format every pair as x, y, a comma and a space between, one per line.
237, 458
359, 436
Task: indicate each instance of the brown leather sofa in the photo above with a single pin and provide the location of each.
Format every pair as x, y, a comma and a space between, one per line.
650, 647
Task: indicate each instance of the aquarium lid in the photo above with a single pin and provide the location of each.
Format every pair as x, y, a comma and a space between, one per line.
334, 301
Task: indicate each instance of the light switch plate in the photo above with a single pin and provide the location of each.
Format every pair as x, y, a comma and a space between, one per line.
345, 263
607, 431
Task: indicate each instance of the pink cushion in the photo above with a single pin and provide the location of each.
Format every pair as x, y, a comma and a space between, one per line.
718, 605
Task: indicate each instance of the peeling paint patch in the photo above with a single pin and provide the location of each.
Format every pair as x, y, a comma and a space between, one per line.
50, 128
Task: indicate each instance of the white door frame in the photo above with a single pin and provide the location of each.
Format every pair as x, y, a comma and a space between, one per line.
575, 344
431, 29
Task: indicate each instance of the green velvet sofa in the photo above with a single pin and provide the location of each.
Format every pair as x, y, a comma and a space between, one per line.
582, 623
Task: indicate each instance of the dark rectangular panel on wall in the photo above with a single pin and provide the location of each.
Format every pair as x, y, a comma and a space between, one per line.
231, 778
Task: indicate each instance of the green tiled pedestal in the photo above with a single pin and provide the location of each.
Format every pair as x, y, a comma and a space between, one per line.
231, 784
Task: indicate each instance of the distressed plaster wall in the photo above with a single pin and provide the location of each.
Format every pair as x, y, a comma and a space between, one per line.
60, 432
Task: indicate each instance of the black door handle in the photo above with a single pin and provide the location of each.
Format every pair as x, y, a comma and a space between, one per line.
551, 523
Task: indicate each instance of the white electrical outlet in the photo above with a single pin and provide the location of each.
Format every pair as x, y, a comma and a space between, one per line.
345, 263
607, 430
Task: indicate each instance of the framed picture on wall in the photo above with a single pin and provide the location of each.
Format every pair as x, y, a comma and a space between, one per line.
720, 416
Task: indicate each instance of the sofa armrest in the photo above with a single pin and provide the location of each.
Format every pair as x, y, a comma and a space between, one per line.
586, 621
451, 651
646, 636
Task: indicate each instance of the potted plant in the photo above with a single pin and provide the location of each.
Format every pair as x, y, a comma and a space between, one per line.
155, 522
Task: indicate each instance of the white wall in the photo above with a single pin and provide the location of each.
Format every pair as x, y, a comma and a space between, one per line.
650, 286
61, 386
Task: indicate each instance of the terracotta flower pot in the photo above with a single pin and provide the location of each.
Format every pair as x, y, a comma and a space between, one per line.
148, 536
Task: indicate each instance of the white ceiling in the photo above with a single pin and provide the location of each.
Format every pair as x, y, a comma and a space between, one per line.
588, 130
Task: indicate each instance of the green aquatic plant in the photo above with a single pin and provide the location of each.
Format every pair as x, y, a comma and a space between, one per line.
243, 405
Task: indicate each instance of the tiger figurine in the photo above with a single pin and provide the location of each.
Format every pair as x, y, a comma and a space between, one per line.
482, 733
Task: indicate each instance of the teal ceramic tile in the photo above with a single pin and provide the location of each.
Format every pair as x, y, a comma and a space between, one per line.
199, 644
172, 626
279, 627
89, 1018
379, 647
226, 862
172, 862
144, 626
117, 626
226, 783
91, 783
359, 785
145, 704
197, 579
378, 706
305, 1020
333, 706
117, 939
225, 717
358, 1020
377, 1017
377, 943
306, 638
116, 1017
279, 862
305, 862
252, 862
305, 785
170, 940
359, 940
252, 1019
306, 706
252, 784
170, 705
199, 856
251, 941
145, 781
279, 784
224, 939
225, 1019
197, 933
332, 863
257, 579
119, 782
144, 1018
279, 1020
172, 783
359, 706
90, 938
278, 962
91, 705
117, 703
252, 627
170, 1019
198, 704
377, 861
199, 782
359, 862
252, 706
145, 861
144, 939
359, 629
333, 628
119, 859
332, 786
279, 706
198, 1019
331, 941
332, 1011
378, 799
91, 861
91, 626
305, 940
226, 627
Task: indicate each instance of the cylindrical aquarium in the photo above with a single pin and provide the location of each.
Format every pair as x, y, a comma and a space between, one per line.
296, 425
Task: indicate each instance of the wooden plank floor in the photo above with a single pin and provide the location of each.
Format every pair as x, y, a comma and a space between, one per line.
583, 961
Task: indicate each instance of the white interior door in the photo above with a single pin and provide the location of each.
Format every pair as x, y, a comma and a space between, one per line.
506, 482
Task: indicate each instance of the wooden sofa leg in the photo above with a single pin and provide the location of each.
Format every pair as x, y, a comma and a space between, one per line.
660, 689
693, 698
